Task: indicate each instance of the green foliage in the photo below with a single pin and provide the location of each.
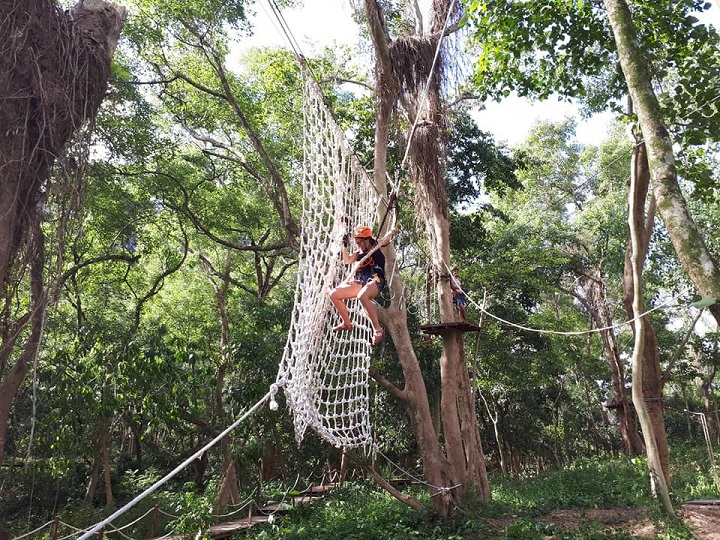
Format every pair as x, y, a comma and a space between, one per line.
357, 512
360, 510
693, 476
537, 48
704, 302
543, 47
127, 127
528, 530
195, 514
524, 529
519, 509
477, 166
587, 483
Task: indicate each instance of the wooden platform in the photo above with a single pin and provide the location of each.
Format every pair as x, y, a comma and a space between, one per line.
439, 329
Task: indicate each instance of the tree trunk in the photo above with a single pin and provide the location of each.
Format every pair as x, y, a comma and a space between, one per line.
637, 257
414, 394
228, 492
598, 309
105, 453
53, 75
54, 67
10, 385
462, 465
684, 234
94, 479
652, 381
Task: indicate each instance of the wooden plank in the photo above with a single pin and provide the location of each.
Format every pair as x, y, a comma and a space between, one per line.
438, 329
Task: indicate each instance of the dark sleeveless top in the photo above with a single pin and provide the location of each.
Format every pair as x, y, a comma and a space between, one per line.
372, 269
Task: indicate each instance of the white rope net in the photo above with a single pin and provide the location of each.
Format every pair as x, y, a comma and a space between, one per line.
325, 374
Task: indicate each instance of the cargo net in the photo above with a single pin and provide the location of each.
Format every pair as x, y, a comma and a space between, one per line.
324, 374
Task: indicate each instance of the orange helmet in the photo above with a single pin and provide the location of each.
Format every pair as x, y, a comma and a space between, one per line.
363, 232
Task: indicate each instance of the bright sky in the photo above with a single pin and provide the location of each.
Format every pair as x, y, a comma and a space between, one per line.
323, 22
314, 25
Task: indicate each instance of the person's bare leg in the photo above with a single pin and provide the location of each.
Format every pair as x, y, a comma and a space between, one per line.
338, 296
366, 297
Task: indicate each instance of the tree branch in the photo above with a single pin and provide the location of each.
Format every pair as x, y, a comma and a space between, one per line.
681, 347
341, 80
159, 280
412, 502
387, 385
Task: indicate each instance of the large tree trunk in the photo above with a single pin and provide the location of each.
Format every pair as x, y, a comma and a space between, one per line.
652, 382
414, 394
228, 493
10, 385
689, 244
54, 67
402, 72
598, 310
644, 335
459, 426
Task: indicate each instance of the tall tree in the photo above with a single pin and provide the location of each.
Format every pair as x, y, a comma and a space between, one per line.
408, 74
560, 177
689, 242
643, 339
54, 70
642, 212
572, 36
580, 50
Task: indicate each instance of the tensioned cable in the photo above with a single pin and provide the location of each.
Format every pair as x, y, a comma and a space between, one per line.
413, 477
239, 509
290, 38
301, 60
298, 52
559, 332
271, 393
40, 528
294, 45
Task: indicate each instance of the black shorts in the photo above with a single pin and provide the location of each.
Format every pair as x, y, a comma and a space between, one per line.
371, 277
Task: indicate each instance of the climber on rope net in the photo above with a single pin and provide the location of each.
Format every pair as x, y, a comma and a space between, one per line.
367, 283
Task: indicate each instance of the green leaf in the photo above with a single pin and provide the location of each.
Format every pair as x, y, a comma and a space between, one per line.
705, 302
